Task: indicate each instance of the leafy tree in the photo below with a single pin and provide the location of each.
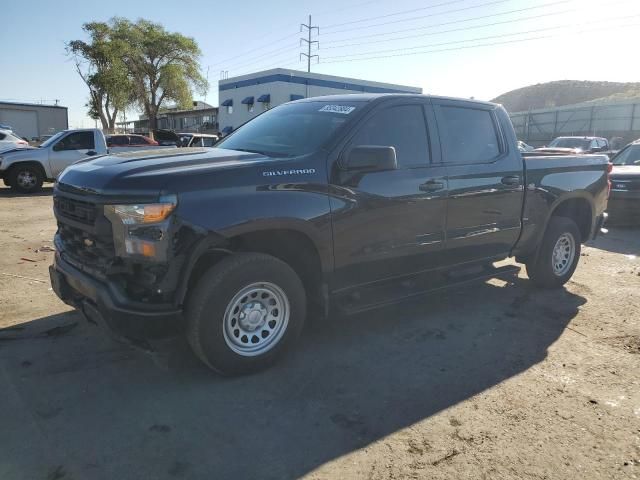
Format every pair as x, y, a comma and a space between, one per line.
162, 66
100, 66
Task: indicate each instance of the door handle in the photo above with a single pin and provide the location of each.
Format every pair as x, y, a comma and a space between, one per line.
511, 180
431, 186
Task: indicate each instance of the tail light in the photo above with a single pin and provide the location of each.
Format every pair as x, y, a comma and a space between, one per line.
609, 170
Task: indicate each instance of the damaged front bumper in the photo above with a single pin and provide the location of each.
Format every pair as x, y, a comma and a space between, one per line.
105, 304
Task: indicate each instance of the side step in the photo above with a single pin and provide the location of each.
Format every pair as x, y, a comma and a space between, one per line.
395, 291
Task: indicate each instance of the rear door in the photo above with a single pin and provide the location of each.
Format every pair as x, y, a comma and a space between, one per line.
390, 223
71, 148
486, 181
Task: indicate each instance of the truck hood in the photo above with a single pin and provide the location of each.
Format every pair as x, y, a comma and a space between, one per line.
19, 153
148, 173
625, 171
559, 151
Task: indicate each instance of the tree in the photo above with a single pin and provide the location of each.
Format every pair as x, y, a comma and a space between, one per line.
101, 68
162, 66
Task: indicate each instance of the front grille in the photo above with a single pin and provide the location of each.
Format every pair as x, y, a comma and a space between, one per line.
628, 183
83, 246
77, 210
84, 232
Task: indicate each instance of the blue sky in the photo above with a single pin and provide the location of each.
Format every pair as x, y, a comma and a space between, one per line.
549, 40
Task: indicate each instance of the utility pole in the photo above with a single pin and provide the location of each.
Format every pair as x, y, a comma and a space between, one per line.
309, 42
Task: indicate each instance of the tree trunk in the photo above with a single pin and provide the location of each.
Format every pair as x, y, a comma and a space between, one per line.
112, 121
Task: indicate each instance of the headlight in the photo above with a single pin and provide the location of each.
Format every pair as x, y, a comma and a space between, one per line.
145, 213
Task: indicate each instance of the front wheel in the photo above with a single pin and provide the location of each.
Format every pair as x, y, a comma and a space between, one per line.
245, 312
558, 255
26, 179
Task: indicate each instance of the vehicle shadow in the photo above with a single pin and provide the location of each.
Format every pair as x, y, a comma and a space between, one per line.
625, 240
6, 192
104, 410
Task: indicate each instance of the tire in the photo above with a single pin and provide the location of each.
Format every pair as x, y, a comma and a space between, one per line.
26, 178
232, 306
558, 255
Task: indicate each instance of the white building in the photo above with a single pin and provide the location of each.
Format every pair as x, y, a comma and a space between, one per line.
242, 98
32, 120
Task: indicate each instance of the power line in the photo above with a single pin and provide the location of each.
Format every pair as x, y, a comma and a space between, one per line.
385, 40
334, 11
258, 59
274, 52
394, 14
475, 46
248, 52
477, 39
455, 10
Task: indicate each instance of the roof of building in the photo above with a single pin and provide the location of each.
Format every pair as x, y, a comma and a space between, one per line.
315, 79
38, 105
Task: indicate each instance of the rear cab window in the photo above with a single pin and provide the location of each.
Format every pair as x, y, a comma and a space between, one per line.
469, 135
135, 140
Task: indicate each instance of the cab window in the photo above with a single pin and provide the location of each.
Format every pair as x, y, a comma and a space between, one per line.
402, 127
76, 141
469, 135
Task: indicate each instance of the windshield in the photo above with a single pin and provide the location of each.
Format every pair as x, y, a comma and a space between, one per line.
628, 156
51, 140
565, 142
292, 129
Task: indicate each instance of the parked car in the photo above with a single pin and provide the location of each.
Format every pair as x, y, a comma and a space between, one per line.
198, 139
10, 141
25, 169
128, 142
346, 202
624, 202
523, 147
167, 138
575, 145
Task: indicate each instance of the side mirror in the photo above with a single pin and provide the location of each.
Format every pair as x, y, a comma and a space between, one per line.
57, 147
370, 158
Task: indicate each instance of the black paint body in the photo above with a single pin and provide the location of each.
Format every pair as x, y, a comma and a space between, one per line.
366, 228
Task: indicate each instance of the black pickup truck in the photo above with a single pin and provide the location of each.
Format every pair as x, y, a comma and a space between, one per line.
337, 203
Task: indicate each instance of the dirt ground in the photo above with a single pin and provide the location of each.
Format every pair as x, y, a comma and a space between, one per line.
496, 381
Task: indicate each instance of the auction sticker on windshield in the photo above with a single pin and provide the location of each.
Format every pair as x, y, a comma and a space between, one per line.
344, 109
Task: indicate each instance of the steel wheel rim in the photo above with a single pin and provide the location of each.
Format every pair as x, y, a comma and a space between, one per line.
256, 319
563, 254
26, 179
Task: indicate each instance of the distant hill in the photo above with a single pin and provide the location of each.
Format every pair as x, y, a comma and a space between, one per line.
565, 92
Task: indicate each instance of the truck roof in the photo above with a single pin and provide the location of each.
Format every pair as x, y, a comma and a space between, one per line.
371, 97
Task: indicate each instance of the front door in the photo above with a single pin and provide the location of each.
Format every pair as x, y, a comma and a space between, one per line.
390, 223
485, 181
69, 149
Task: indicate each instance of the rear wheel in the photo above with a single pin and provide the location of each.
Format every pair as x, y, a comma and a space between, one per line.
558, 255
245, 312
26, 178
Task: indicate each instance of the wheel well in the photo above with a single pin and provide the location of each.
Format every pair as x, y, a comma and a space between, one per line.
294, 248
22, 164
579, 210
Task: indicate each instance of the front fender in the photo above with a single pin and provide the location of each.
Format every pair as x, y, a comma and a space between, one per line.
28, 155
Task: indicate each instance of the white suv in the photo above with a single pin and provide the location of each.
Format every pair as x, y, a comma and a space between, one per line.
9, 141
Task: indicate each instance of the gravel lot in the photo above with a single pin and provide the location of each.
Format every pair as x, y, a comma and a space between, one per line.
496, 381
